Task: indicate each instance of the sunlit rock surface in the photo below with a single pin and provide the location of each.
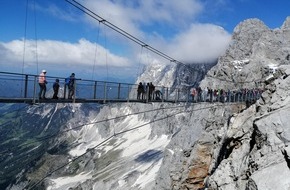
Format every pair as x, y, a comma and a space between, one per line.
254, 53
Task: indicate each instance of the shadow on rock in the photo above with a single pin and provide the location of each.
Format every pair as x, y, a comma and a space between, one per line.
150, 156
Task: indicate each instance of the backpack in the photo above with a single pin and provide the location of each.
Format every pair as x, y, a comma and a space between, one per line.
67, 80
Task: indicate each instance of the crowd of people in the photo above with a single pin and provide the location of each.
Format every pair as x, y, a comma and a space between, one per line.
221, 95
202, 95
69, 84
148, 90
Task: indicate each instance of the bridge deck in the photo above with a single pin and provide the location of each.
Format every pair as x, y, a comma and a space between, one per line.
100, 101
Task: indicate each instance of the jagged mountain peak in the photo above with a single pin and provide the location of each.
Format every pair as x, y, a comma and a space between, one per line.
254, 51
250, 25
286, 24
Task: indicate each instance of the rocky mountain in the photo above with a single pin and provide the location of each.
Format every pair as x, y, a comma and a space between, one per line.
248, 149
254, 53
157, 146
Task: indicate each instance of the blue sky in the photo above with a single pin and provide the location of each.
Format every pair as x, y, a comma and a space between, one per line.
62, 39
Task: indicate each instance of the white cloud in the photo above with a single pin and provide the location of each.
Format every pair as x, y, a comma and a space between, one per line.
132, 16
192, 42
56, 52
201, 43
170, 26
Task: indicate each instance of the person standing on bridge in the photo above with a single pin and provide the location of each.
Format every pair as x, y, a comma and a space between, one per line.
55, 89
42, 84
71, 86
151, 90
140, 90
193, 93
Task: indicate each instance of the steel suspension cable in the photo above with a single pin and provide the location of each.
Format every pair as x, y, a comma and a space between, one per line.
119, 30
24, 39
24, 44
100, 121
36, 39
139, 64
96, 51
38, 140
23, 57
110, 137
73, 128
69, 162
107, 68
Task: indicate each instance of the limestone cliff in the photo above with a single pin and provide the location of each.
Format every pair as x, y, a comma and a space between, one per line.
255, 51
239, 147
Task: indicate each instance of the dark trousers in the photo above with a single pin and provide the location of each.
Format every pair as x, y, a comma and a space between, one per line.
138, 95
55, 94
42, 90
71, 92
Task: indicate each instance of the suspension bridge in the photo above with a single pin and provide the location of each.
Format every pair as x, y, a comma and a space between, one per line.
24, 88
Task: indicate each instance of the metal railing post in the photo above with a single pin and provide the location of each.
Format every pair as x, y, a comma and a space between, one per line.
176, 91
147, 94
105, 92
25, 86
64, 90
95, 90
34, 90
187, 95
128, 93
162, 93
119, 90
75, 92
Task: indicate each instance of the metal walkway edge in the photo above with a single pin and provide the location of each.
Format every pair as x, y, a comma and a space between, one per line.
99, 101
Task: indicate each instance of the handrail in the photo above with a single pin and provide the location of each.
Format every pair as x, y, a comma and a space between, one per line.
104, 91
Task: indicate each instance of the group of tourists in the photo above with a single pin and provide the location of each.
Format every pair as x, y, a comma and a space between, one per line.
148, 90
221, 95
69, 84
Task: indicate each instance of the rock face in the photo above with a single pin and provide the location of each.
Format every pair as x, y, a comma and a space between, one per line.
246, 148
194, 152
260, 158
175, 75
255, 51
